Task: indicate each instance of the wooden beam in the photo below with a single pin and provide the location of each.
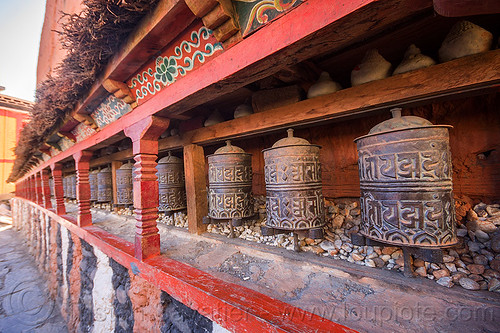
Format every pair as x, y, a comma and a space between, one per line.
464, 75
155, 31
196, 188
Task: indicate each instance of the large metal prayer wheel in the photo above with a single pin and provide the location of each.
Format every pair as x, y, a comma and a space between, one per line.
65, 187
230, 184
172, 192
93, 185
294, 198
406, 187
104, 187
124, 193
72, 186
51, 186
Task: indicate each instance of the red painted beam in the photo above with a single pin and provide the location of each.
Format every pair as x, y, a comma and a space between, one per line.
298, 24
232, 306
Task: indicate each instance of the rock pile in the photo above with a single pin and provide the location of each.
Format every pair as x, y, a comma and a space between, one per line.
178, 219
474, 264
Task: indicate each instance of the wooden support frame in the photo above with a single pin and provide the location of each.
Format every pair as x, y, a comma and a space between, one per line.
57, 175
46, 189
196, 188
144, 135
82, 159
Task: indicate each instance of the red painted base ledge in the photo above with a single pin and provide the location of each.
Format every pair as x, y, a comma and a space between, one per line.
234, 307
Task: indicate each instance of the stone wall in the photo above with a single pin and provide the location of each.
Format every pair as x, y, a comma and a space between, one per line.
94, 292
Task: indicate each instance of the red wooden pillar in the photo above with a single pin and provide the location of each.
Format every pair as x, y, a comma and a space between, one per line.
38, 184
82, 165
144, 135
46, 189
58, 188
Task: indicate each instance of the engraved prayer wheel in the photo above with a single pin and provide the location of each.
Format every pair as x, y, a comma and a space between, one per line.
230, 184
124, 193
104, 187
51, 186
72, 185
294, 198
406, 186
65, 187
172, 192
93, 185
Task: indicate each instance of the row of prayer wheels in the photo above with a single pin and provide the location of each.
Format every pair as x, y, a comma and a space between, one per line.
405, 177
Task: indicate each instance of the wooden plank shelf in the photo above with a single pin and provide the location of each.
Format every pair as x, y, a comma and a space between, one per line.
469, 75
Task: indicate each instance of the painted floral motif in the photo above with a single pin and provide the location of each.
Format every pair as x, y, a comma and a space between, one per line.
253, 14
174, 63
82, 131
110, 109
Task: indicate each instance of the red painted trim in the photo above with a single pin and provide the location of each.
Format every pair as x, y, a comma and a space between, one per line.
289, 29
6, 160
234, 307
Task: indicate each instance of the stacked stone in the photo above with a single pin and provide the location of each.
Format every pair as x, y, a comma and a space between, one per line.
177, 219
473, 264
102, 205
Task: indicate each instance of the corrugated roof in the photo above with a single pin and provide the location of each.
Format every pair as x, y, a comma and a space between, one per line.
15, 103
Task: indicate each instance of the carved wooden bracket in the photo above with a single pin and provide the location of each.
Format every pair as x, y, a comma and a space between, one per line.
120, 90
86, 119
219, 16
67, 135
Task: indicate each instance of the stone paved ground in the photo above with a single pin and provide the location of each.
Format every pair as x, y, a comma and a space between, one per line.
24, 302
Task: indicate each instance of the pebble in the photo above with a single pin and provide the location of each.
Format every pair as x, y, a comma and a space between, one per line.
421, 271
481, 235
447, 258
468, 284
451, 267
445, 281
461, 232
481, 259
358, 257
475, 268
370, 263
495, 242
389, 250
385, 257
473, 246
495, 264
494, 285
327, 245
441, 273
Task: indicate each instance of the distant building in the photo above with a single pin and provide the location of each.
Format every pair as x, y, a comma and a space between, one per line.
14, 113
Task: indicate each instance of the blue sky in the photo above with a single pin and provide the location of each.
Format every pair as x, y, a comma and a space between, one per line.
20, 28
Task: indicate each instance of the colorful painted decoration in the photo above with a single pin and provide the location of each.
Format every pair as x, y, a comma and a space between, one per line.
175, 62
254, 14
110, 109
82, 131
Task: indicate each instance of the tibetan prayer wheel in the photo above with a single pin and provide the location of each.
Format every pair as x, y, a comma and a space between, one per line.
65, 187
104, 187
93, 185
230, 185
172, 192
72, 186
124, 193
406, 187
294, 198
51, 186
